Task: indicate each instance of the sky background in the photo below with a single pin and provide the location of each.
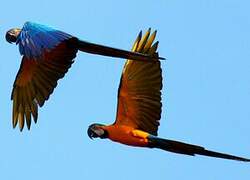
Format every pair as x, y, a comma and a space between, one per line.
206, 92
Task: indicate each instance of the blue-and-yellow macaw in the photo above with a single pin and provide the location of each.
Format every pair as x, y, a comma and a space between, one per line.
47, 54
139, 108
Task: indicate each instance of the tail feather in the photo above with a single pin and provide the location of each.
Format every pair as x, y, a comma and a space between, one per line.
189, 149
114, 52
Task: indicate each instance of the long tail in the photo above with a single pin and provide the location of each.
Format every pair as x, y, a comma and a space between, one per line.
188, 149
114, 52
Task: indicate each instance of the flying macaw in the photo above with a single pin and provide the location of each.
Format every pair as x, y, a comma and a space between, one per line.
47, 54
139, 108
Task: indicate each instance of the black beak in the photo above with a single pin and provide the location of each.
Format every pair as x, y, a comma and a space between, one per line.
94, 131
12, 34
91, 133
10, 38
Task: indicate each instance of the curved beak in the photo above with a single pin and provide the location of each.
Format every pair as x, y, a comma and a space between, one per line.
94, 132
12, 34
90, 133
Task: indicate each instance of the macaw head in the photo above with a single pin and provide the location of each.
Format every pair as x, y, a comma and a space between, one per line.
12, 34
97, 130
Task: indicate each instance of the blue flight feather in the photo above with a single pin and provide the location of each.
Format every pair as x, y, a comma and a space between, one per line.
35, 38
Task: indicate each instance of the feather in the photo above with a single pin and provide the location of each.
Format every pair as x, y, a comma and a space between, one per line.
35, 38
34, 111
28, 117
143, 41
137, 41
149, 42
153, 48
15, 110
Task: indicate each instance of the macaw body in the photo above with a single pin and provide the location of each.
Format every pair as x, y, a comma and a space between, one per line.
139, 108
47, 55
127, 135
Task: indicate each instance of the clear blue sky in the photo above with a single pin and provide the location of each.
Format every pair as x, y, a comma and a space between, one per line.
206, 93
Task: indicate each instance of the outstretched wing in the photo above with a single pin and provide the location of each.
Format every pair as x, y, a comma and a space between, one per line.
47, 56
139, 96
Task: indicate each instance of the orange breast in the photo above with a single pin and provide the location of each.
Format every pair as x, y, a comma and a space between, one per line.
127, 135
